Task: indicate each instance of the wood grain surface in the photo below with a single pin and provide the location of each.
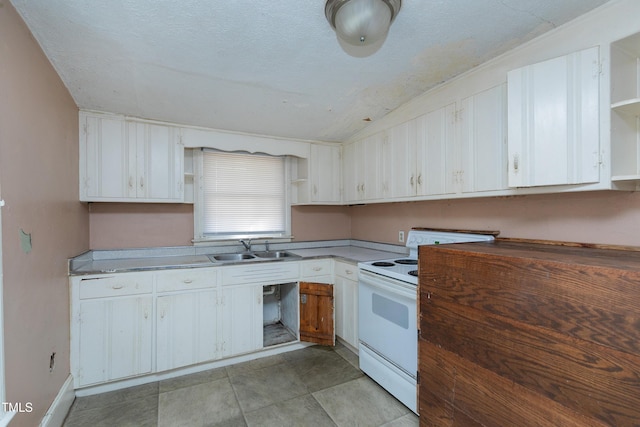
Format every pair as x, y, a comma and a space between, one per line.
527, 334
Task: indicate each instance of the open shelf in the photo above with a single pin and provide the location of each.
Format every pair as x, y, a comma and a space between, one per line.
630, 107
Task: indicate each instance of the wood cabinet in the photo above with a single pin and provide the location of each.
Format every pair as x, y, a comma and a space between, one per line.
346, 302
316, 313
112, 328
123, 160
528, 334
554, 121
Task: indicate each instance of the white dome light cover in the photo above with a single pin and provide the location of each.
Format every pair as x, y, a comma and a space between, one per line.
361, 22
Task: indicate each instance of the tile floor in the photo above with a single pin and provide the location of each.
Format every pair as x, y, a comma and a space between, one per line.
316, 386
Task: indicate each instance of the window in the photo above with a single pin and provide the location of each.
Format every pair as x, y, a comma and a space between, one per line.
241, 195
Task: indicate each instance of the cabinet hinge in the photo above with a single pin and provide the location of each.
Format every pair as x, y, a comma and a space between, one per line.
418, 377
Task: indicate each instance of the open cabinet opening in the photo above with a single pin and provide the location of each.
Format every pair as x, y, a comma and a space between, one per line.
280, 317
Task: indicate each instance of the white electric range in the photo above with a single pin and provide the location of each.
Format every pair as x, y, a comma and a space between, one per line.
387, 314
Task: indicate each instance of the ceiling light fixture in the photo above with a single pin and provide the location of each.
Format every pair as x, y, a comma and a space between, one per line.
361, 22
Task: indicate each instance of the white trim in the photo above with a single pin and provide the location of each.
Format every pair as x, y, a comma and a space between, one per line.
5, 417
60, 407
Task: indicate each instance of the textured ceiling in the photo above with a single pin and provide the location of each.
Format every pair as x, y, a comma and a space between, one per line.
270, 67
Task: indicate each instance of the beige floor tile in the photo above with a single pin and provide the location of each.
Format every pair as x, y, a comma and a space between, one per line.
409, 420
264, 387
300, 412
252, 365
208, 404
360, 402
141, 412
192, 379
114, 397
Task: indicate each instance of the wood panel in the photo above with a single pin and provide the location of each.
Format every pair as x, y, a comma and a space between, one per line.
316, 313
555, 328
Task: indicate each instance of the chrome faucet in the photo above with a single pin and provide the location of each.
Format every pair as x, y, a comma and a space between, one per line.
246, 244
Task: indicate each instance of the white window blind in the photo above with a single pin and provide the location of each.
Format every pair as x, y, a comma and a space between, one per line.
243, 195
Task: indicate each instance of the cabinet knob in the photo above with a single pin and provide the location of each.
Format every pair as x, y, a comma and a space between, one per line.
117, 286
411, 180
348, 271
141, 182
420, 179
187, 281
317, 268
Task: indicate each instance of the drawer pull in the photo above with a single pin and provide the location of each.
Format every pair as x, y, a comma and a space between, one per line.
317, 268
118, 286
187, 281
348, 271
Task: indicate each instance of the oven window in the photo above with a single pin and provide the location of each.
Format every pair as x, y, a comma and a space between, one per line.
392, 311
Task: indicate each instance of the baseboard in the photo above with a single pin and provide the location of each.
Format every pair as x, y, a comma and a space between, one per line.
60, 407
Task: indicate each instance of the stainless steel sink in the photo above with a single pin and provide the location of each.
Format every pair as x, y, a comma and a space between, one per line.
232, 257
275, 254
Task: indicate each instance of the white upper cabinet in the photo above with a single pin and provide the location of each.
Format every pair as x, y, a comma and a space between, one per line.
125, 161
458, 148
435, 152
325, 171
553, 121
482, 142
361, 165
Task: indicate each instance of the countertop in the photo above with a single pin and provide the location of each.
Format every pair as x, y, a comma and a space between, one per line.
159, 260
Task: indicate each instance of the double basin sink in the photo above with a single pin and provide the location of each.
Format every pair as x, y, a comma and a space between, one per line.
252, 256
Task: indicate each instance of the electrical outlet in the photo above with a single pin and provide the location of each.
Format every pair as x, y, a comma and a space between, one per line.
401, 236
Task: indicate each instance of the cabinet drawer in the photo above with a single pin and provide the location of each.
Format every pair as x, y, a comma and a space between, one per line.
346, 270
319, 267
264, 273
181, 280
113, 286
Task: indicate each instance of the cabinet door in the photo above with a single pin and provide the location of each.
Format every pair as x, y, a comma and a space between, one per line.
369, 166
242, 319
346, 308
350, 183
435, 151
186, 329
104, 158
159, 154
400, 155
316, 313
115, 339
553, 121
325, 172
483, 151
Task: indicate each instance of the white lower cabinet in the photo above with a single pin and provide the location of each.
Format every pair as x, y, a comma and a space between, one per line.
186, 329
346, 302
112, 329
123, 322
241, 319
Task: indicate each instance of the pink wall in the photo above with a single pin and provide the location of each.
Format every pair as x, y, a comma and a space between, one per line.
598, 217
593, 217
39, 179
129, 225
138, 225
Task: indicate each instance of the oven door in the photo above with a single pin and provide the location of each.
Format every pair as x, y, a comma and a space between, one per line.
387, 320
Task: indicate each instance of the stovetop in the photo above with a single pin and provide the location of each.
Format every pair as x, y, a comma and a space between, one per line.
406, 268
